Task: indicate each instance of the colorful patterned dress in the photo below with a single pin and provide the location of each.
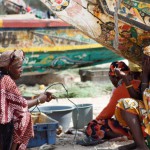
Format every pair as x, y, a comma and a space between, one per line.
137, 107
14, 108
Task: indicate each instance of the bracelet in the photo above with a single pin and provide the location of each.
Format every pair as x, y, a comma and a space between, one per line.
129, 86
38, 101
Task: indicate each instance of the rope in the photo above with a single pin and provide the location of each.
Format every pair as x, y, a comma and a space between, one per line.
75, 137
116, 43
51, 85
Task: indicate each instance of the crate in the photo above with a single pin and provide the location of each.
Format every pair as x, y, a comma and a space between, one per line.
44, 130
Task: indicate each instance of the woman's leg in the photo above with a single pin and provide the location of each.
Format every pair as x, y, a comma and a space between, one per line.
14, 146
134, 125
118, 129
6, 132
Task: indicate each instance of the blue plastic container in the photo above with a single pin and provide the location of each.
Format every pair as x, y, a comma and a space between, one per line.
62, 114
44, 130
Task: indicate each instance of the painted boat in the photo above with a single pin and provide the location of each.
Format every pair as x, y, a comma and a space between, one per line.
50, 43
123, 26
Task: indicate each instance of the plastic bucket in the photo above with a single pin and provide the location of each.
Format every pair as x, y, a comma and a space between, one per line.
62, 114
82, 115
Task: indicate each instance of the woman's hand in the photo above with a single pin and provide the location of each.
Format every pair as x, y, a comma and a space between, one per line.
49, 96
42, 98
45, 97
122, 75
119, 73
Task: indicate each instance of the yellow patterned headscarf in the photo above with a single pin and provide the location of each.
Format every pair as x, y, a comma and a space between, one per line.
11, 57
134, 67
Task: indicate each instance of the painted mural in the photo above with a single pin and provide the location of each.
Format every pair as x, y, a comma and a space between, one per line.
96, 18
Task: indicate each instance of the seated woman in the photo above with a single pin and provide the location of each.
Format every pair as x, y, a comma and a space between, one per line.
105, 126
15, 120
134, 113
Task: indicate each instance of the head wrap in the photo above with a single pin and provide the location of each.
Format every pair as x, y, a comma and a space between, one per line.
11, 57
134, 67
147, 50
118, 64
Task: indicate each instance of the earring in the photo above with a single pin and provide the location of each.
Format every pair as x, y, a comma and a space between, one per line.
8, 71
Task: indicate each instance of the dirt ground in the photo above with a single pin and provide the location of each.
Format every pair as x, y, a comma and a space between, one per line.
68, 141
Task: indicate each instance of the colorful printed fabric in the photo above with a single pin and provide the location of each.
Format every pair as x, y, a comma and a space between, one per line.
11, 57
13, 107
137, 107
118, 64
97, 130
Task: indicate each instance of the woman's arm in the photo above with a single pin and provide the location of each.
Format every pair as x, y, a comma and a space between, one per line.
127, 80
14, 96
133, 93
33, 102
109, 110
145, 72
42, 98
